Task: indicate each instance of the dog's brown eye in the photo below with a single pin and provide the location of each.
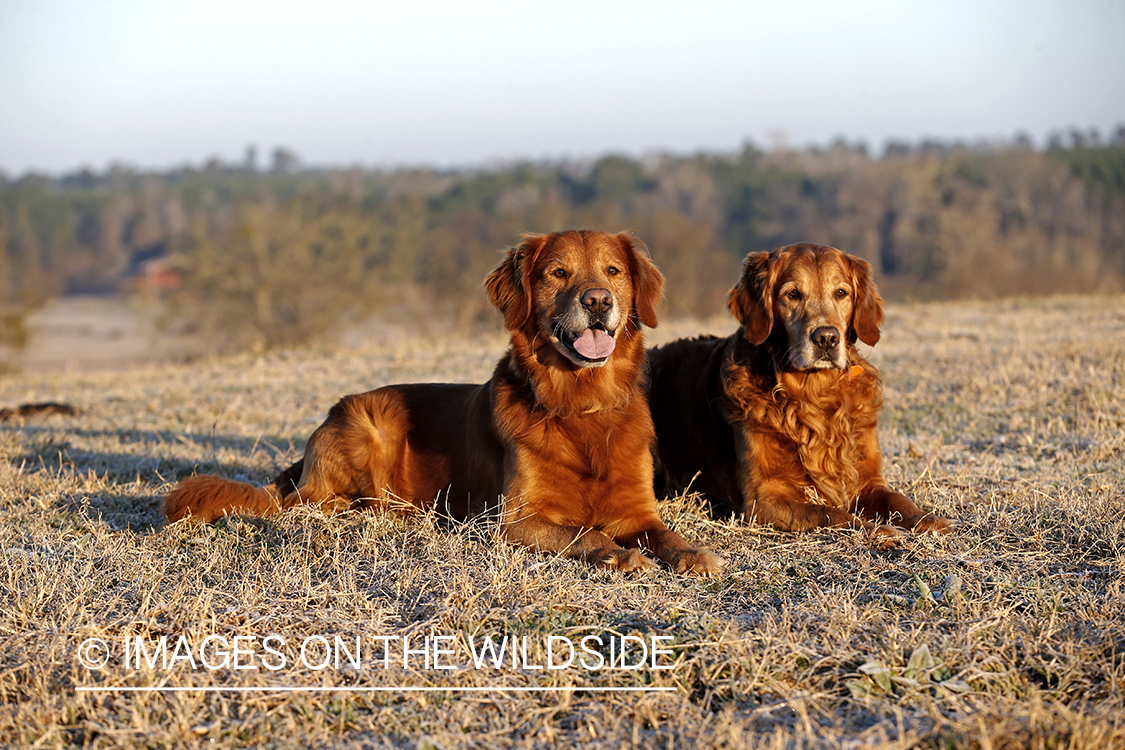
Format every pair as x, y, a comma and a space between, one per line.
559, 273
794, 295
841, 293
613, 270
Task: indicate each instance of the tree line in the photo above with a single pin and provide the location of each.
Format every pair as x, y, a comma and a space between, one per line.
273, 258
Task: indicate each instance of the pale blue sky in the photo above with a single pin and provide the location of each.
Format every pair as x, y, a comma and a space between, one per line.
156, 84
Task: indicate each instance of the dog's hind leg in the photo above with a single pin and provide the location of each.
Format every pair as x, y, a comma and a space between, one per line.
356, 457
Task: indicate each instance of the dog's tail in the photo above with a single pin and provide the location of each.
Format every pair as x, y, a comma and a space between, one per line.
209, 498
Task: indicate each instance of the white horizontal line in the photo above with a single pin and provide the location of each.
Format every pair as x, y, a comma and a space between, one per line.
402, 689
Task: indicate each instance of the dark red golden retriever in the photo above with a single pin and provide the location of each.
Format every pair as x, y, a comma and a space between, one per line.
778, 420
560, 436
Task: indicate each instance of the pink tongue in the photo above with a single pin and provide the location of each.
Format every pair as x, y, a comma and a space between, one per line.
594, 343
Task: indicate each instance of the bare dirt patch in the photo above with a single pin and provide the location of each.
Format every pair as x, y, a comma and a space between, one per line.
1005, 417
89, 333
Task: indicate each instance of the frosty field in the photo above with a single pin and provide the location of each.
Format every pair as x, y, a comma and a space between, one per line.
1006, 417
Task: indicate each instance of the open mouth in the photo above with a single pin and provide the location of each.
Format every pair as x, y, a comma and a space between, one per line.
594, 344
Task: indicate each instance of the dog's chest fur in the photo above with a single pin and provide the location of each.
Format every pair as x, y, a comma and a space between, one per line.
816, 420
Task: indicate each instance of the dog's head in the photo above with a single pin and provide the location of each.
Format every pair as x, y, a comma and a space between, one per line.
580, 290
822, 299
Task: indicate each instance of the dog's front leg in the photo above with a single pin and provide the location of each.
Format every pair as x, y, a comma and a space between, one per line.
677, 552
589, 545
876, 502
883, 504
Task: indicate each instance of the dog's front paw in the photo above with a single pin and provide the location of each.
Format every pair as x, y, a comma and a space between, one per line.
931, 524
699, 561
628, 561
884, 536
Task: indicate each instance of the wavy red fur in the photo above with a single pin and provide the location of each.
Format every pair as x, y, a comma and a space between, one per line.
778, 421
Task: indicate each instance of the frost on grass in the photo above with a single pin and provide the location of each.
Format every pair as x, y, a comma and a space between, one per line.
1006, 417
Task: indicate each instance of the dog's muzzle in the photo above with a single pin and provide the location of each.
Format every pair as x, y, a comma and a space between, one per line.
586, 335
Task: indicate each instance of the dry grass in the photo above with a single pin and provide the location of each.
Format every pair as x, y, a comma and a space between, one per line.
1009, 633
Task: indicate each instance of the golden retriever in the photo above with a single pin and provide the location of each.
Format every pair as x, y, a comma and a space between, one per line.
778, 420
561, 432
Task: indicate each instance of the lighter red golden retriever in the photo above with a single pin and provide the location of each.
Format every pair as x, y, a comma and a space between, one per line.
560, 435
777, 422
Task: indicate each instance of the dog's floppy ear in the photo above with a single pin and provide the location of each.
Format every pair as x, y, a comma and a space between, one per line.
509, 285
751, 299
867, 315
648, 282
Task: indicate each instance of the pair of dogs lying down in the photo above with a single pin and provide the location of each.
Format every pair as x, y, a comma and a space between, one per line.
775, 422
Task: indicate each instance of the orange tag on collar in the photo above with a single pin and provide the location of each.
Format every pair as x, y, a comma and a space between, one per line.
856, 371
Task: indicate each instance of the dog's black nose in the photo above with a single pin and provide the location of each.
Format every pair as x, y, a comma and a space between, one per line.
826, 337
597, 300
